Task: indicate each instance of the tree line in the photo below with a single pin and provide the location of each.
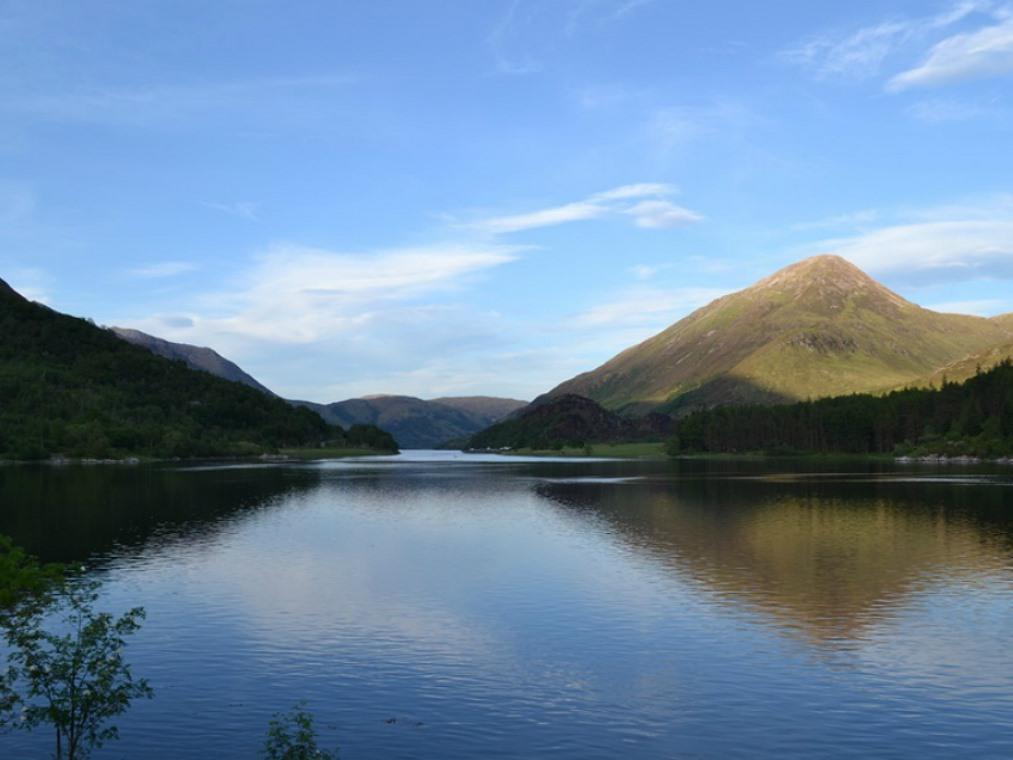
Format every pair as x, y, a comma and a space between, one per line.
70, 388
974, 418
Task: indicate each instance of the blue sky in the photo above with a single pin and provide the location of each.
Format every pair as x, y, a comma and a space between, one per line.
490, 196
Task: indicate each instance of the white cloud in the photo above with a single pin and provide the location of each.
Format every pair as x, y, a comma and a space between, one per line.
660, 214
548, 217
295, 294
861, 54
854, 56
644, 203
984, 53
946, 244
162, 269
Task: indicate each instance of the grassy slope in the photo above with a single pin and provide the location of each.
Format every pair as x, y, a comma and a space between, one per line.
818, 328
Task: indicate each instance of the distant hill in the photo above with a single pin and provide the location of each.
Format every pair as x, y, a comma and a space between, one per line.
818, 328
572, 421
69, 387
415, 423
197, 357
485, 409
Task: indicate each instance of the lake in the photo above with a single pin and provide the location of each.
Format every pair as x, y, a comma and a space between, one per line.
439, 605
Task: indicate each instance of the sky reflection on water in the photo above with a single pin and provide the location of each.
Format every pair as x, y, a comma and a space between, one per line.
505, 608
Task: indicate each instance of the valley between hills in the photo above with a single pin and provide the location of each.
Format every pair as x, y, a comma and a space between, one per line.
793, 350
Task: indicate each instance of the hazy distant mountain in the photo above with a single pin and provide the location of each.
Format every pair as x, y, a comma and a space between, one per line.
415, 423
569, 420
485, 409
820, 327
196, 357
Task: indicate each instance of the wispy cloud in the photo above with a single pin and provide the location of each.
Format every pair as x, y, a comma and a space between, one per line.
528, 31
162, 269
859, 54
856, 55
510, 52
646, 204
247, 210
944, 244
672, 130
295, 294
986, 52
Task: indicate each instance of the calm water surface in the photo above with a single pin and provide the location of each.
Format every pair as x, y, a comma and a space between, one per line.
444, 606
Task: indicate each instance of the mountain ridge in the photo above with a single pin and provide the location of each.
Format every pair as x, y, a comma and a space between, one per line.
197, 357
417, 423
818, 327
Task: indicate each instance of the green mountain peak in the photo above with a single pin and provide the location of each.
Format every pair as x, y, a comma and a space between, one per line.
819, 327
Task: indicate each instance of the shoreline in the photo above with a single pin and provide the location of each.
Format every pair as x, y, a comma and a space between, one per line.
286, 455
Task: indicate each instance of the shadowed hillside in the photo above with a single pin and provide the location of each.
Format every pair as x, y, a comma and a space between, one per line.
569, 420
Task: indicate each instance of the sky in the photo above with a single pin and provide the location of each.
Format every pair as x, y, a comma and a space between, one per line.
490, 196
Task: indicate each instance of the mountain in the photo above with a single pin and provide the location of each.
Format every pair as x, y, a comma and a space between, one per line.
69, 387
820, 327
415, 423
1005, 321
485, 409
569, 420
196, 357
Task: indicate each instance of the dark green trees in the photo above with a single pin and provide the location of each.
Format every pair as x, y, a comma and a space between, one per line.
68, 387
974, 418
65, 664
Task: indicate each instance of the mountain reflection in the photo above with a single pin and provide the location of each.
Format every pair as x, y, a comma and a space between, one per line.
828, 560
69, 514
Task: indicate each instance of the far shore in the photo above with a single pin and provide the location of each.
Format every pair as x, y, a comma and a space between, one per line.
284, 455
657, 451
